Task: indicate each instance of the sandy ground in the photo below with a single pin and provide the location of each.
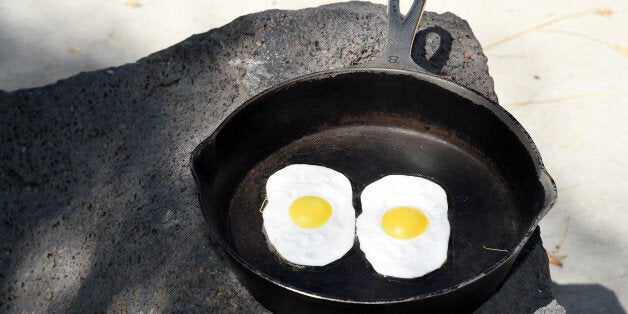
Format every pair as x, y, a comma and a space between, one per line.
560, 67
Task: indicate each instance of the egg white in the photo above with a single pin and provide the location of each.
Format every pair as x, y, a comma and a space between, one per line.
404, 258
309, 246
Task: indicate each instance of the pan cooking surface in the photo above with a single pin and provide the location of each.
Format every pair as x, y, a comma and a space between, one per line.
481, 209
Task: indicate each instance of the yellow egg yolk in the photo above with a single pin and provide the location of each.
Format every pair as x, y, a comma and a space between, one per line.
310, 211
404, 222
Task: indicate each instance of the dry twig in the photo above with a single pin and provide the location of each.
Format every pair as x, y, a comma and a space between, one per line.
261, 208
605, 12
492, 249
553, 256
133, 4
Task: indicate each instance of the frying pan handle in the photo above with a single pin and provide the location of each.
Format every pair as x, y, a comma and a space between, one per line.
401, 31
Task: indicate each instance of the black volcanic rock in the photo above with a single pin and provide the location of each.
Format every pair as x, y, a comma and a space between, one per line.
99, 209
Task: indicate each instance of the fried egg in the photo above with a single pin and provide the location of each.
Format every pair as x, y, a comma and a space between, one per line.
309, 217
403, 229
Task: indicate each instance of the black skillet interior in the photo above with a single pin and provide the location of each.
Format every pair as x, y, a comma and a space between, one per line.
368, 124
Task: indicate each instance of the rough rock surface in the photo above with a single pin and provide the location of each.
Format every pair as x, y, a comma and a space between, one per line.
98, 205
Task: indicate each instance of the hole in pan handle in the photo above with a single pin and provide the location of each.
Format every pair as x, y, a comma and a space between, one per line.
401, 31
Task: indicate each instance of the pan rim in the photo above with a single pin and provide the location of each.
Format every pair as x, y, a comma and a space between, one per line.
477, 98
